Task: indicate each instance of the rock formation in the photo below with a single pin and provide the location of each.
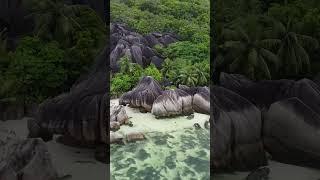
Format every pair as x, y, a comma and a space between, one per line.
126, 42
291, 133
290, 119
236, 128
143, 95
264, 93
201, 100
118, 114
24, 159
172, 103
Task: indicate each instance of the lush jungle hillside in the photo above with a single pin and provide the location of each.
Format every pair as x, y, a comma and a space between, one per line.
267, 39
62, 46
186, 61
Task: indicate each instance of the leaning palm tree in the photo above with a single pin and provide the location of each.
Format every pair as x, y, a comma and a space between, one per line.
243, 50
53, 18
292, 49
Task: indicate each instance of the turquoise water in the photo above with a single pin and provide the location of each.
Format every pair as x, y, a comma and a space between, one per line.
182, 154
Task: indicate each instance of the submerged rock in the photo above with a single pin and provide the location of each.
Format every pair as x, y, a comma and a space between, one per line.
237, 132
135, 136
143, 95
172, 103
197, 126
291, 133
116, 137
24, 159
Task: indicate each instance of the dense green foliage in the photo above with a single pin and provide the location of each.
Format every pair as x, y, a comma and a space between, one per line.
267, 39
37, 70
64, 44
188, 19
129, 76
187, 61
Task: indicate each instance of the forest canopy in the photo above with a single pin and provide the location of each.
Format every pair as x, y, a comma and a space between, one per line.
187, 61
46, 62
267, 39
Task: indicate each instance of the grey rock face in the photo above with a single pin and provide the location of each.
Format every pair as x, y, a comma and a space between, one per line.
264, 93
27, 159
172, 103
118, 114
143, 95
291, 133
140, 47
236, 128
201, 100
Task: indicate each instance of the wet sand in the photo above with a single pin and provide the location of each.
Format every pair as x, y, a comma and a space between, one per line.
77, 162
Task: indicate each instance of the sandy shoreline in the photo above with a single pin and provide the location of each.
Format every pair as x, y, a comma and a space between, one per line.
146, 122
81, 164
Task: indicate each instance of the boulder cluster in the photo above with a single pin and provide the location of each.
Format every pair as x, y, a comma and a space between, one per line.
24, 159
149, 97
138, 48
119, 117
250, 118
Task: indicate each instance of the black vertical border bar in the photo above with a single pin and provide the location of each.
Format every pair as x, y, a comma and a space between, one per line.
212, 38
107, 22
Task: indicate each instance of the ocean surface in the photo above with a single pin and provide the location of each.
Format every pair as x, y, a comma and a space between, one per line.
182, 154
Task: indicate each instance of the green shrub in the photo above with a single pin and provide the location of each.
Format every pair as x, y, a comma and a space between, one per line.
37, 70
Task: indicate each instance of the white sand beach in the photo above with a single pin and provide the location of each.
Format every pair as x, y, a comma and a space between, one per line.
146, 122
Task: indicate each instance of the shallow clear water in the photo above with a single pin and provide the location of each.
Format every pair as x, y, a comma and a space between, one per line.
182, 154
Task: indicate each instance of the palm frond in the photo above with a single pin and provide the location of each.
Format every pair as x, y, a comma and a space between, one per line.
308, 42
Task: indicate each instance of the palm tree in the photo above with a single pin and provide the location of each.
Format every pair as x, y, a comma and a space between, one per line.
292, 49
202, 73
186, 78
167, 67
244, 49
53, 18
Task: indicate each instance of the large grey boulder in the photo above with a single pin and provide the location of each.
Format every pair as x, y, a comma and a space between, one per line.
24, 159
143, 95
125, 41
201, 100
237, 142
172, 103
291, 133
264, 93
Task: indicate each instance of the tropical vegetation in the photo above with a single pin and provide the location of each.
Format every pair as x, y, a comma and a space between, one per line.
187, 61
63, 45
271, 39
